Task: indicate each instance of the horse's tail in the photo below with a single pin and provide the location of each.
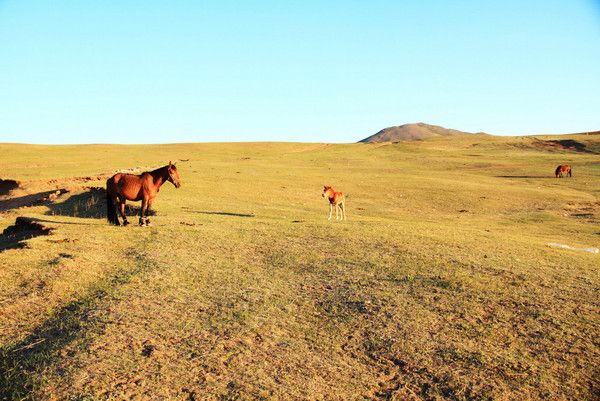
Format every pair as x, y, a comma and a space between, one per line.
570, 171
111, 209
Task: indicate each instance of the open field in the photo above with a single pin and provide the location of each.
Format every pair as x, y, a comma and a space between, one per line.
439, 286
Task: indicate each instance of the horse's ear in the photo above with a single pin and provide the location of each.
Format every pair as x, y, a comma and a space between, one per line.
170, 164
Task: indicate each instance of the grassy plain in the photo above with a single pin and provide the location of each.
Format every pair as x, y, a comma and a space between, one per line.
439, 286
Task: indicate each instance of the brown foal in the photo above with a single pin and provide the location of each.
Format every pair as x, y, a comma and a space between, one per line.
337, 200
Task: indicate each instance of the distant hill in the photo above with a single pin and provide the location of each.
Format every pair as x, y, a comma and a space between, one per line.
411, 132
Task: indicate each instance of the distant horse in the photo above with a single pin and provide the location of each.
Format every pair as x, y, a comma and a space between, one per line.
337, 200
144, 187
563, 169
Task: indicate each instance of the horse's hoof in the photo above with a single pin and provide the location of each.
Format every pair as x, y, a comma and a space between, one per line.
125, 223
147, 223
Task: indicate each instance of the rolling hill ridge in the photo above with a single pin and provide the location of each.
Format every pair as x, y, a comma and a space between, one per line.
411, 132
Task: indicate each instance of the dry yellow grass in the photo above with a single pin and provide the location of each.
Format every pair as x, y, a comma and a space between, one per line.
438, 286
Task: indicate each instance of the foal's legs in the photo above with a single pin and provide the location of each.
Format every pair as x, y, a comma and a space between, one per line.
343, 209
337, 206
330, 211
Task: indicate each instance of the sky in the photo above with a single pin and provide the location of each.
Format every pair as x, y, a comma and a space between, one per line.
308, 71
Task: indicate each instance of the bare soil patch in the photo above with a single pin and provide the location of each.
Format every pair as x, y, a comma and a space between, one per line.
583, 210
84, 179
29, 200
91, 203
561, 145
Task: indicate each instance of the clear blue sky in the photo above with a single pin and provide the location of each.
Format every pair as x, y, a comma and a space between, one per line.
331, 71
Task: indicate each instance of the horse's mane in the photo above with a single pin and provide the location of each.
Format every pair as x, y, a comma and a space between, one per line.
158, 169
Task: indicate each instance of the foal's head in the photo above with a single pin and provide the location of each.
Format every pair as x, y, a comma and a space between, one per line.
327, 191
173, 175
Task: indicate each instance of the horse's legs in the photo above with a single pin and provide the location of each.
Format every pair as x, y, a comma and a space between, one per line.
122, 211
143, 211
337, 206
115, 202
343, 209
330, 211
148, 207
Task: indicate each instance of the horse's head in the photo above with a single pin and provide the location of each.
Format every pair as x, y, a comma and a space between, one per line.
326, 190
173, 175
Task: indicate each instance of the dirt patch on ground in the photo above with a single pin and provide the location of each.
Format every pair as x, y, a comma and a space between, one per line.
25, 228
588, 211
36, 199
90, 202
8, 185
79, 180
81, 201
561, 145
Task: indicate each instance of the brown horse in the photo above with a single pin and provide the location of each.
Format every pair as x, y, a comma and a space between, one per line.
144, 187
337, 200
562, 169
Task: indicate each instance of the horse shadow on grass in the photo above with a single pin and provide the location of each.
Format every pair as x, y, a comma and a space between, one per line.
225, 213
14, 237
524, 176
90, 204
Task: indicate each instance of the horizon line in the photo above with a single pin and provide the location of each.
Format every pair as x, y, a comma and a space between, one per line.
597, 132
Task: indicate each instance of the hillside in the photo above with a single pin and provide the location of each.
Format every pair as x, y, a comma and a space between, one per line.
439, 286
411, 132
